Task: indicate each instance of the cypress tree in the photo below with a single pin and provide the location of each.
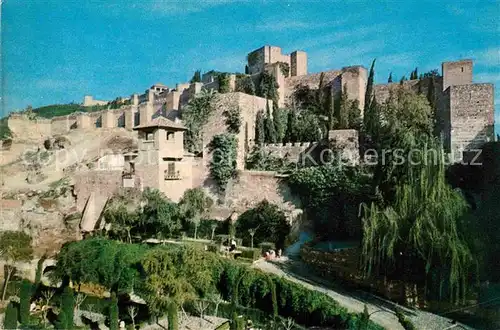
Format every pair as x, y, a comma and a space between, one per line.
343, 112
269, 127
260, 135
390, 78
24, 301
331, 110
234, 321
66, 315
173, 318
368, 94
279, 120
431, 97
291, 130
11, 314
196, 77
113, 313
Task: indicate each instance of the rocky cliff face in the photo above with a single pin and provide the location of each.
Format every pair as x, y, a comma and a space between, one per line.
49, 216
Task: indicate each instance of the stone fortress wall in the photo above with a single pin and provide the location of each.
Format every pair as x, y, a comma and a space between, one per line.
289, 151
465, 109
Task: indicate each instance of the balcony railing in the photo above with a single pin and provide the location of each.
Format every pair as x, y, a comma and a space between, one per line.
173, 176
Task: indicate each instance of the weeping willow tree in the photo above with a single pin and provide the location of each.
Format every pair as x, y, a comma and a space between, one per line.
421, 231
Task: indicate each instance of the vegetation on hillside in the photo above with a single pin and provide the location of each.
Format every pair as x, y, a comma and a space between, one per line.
56, 110
173, 278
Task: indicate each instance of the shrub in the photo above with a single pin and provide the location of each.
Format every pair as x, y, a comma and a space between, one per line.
223, 164
113, 313
404, 321
268, 221
66, 315
252, 254
25, 301
11, 315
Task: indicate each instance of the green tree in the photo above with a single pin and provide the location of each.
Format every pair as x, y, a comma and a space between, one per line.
194, 115
364, 319
233, 120
15, 247
66, 314
196, 77
260, 132
109, 263
371, 117
10, 320
173, 317
414, 74
223, 164
343, 109
308, 127
175, 276
24, 301
354, 115
269, 127
421, 229
223, 79
331, 196
389, 80
271, 221
245, 84
193, 205
268, 88
280, 123
369, 91
292, 134
122, 220
113, 313
159, 214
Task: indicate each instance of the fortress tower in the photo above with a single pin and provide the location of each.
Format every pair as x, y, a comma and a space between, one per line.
467, 111
161, 161
257, 60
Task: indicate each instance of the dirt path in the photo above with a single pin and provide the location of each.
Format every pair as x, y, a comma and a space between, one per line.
382, 311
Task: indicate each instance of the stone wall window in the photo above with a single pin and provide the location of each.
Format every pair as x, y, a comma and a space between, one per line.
171, 173
149, 136
171, 169
170, 136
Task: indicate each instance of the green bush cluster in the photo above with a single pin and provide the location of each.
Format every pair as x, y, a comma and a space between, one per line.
244, 287
245, 84
251, 254
223, 164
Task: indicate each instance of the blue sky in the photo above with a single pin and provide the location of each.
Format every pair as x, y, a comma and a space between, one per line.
57, 51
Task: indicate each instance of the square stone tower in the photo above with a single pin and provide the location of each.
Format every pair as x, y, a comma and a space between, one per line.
298, 63
466, 111
259, 58
457, 73
161, 162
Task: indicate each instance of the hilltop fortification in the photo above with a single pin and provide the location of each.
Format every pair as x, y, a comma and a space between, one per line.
465, 111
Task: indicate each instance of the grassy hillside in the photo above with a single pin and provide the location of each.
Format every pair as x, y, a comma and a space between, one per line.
55, 110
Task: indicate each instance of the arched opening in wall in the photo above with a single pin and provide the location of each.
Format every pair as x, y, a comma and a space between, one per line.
137, 118
120, 122
98, 122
